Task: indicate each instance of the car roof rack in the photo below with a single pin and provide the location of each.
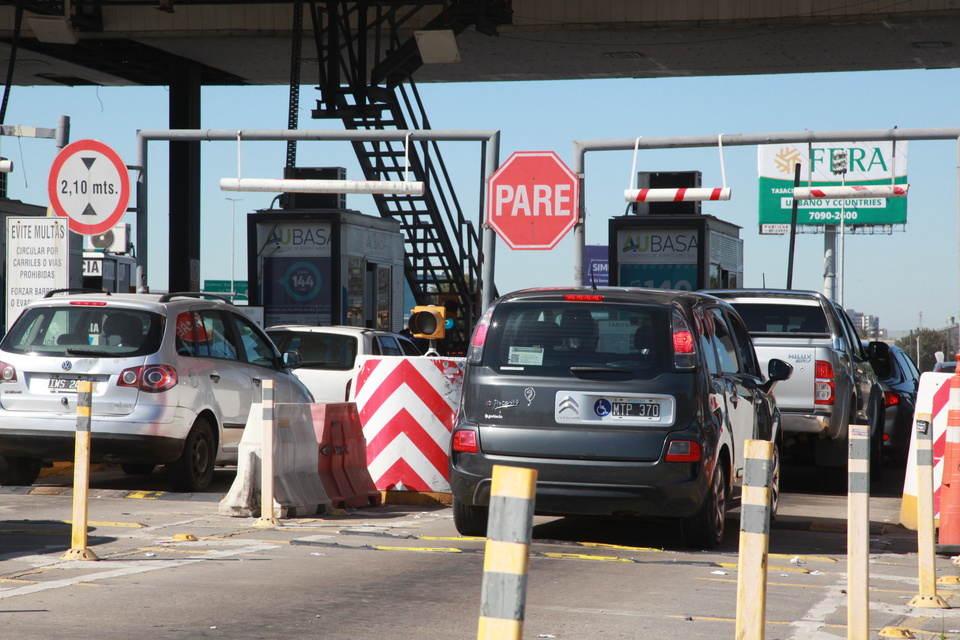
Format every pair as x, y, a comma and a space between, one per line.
53, 292
194, 294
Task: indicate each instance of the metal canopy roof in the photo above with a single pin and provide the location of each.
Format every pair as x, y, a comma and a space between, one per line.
148, 42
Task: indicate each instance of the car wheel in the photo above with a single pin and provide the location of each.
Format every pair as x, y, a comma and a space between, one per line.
137, 469
18, 472
704, 530
193, 470
470, 520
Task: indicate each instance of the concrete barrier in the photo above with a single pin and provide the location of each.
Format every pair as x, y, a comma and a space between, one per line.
298, 490
343, 455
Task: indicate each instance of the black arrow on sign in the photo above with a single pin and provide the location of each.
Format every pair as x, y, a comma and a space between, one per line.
89, 162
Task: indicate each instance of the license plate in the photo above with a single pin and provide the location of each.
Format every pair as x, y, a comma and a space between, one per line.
635, 410
56, 383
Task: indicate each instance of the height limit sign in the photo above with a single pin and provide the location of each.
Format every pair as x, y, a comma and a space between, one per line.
89, 185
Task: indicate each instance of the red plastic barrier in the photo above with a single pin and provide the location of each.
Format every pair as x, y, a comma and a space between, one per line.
950, 490
342, 462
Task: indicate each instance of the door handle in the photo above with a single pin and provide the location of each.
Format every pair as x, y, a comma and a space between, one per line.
215, 376
257, 381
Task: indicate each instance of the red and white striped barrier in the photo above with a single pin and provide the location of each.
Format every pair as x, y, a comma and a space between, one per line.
852, 191
407, 408
676, 195
933, 399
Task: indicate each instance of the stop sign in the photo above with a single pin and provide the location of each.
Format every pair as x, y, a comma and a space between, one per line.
532, 200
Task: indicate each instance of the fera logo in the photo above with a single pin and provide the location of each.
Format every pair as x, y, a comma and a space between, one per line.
659, 243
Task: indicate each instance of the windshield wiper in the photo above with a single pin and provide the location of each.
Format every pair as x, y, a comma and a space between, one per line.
577, 371
85, 352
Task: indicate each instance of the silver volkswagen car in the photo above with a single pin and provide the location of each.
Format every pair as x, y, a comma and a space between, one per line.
174, 377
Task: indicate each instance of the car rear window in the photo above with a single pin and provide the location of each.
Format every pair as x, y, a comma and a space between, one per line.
782, 318
87, 330
318, 350
551, 337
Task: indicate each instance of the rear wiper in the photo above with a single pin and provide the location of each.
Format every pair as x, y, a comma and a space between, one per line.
575, 370
85, 352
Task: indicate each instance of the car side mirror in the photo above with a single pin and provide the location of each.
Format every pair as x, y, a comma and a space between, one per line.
777, 370
291, 359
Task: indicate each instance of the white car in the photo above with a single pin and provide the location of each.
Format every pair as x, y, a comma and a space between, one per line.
328, 355
174, 377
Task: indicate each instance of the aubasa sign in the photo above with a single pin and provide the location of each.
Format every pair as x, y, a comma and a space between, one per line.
869, 163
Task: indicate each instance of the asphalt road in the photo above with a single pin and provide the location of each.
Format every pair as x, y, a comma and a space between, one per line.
401, 571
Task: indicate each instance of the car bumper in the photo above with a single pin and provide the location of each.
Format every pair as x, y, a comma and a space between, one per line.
151, 435
571, 487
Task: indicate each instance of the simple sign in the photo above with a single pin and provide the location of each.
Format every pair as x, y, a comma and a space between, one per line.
89, 184
870, 164
37, 260
532, 200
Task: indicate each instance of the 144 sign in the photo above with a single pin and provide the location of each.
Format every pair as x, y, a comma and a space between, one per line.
88, 184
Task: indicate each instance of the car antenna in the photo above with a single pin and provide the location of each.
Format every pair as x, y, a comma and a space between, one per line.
593, 278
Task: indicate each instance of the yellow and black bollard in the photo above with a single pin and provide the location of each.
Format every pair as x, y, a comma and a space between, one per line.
509, 531
81, 476
754, 540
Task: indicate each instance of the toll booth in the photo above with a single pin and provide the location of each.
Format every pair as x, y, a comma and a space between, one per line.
326, 267
685, 252
108, 262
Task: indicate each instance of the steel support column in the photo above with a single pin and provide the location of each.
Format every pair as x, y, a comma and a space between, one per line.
184, 187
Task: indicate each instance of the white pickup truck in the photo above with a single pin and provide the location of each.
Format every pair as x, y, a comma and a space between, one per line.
833, 382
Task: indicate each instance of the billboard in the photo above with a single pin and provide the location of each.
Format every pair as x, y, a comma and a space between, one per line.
869, 163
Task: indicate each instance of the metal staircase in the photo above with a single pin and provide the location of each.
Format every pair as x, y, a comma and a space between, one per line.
442, 247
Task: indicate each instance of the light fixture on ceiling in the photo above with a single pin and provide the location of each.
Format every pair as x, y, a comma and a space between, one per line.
931, 44
437, 46
53, 29
623, 55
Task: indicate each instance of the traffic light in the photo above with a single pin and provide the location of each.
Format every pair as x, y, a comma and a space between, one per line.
427, 322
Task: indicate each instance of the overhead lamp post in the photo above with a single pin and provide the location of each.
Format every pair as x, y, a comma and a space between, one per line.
233, 244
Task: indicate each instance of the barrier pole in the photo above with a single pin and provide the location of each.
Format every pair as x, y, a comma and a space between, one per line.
949, 535
81, 477
858, 532
754, 540
267, 518
926, 529
509, 531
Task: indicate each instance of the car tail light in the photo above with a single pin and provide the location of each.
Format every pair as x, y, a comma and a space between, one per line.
684, 352
465, 441
823, 386
475, 352
890, 398
8, 373
153, 378
683, 451
87, 303
583, 297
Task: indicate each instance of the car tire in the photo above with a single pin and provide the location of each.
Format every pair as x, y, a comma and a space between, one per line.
193, 470
18, 472
470, 520
705, 529
137, 468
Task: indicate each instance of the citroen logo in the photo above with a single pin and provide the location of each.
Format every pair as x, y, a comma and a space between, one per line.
568, 404
66, 365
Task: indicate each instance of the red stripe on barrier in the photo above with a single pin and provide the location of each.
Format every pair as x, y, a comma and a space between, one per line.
817, 192
715, 194
407, 374
679, 195
404, 423
401, 473
642, 195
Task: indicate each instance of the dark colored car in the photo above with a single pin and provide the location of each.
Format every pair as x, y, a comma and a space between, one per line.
899, 378
627, 402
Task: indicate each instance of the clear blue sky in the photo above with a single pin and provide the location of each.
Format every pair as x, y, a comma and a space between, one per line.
898, 277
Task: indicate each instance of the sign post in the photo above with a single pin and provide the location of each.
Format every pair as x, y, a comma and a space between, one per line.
532, 200
89, 184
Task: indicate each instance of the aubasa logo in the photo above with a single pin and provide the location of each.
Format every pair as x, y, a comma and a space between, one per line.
656, 243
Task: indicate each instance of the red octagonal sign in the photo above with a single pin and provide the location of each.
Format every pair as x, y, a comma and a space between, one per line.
532, 200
